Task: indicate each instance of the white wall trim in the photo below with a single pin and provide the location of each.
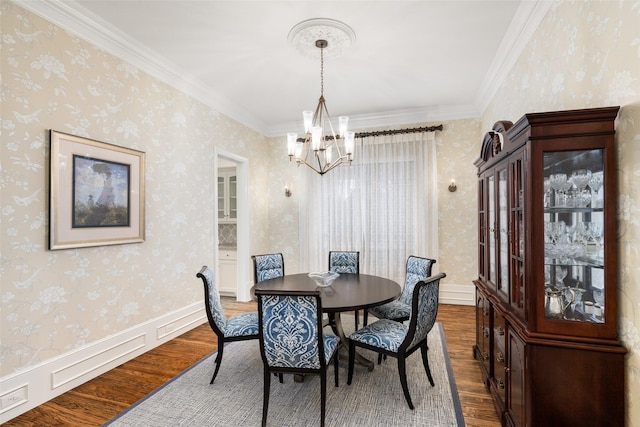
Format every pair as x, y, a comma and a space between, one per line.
457, 294
30, 387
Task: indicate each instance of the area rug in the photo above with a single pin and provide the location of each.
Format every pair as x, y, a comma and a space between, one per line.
235, 399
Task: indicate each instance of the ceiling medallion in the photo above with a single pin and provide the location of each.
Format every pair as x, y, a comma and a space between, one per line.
339, 36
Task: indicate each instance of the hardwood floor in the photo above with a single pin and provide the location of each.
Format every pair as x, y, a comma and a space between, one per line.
102, 398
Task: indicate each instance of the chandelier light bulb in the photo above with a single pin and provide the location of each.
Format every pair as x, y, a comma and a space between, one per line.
291, 143
349, 142
343, 121
316, 137
307, 116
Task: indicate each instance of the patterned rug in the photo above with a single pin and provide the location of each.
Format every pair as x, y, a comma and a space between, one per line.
235, 399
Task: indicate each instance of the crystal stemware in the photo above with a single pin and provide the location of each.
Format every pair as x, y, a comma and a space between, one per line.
558, 182
581, 178
596, 184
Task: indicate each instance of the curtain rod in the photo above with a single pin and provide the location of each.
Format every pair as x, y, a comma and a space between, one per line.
398, 131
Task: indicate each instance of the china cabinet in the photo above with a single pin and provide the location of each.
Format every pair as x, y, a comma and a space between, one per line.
227, 196
546, 302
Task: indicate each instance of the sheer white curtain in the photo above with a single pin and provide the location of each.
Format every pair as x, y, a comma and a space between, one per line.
384, 205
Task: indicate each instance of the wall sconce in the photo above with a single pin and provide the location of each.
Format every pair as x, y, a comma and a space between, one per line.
287, 191
452, 186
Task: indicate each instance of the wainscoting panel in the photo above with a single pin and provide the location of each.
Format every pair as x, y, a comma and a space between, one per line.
28, 388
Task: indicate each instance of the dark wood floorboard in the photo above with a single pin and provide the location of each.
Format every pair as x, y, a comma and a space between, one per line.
102, 398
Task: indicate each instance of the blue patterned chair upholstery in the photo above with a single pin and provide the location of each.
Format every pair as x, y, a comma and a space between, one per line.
267, 267
400, 340
292, 341
345, 262
240, 327
399, 310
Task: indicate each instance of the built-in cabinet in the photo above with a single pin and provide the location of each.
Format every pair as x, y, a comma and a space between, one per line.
228, 274
227, 196
546, 293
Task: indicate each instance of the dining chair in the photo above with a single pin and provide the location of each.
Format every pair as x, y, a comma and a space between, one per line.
292, 341
400, 340
267, 266
238, 327
345, 262
399, 310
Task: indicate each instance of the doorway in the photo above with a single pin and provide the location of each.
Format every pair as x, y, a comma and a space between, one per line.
229, 161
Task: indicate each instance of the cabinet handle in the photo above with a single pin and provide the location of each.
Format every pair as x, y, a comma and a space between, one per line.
507, 370
500, 330
501, 384
499, 357
486, 333
485, 355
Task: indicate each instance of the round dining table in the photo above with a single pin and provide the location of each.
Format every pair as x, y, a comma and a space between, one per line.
348, 292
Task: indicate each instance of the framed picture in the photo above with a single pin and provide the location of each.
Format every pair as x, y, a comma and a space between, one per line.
96, 193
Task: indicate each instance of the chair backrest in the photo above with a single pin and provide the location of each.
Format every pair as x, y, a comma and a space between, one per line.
215, 313
344, 262
267, 266
424, 310
417, 269
291, 329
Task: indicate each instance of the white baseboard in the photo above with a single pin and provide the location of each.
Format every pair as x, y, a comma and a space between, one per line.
30, 387
457, 294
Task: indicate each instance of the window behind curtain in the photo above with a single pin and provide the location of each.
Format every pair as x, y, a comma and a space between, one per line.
383, 205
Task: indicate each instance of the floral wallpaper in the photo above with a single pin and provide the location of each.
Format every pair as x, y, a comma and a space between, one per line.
584, 54
56, 301
587, 54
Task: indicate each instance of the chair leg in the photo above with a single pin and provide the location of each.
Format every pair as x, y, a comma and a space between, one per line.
365, 317
424, 349
335, 365
356, 314
265, 400
323, 395
379, 358
352, 358
402, 369
218, 359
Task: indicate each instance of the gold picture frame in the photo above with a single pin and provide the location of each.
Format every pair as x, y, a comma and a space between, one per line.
96, 193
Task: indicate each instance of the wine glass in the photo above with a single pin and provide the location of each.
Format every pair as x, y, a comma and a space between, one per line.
558, 182
581, 179
561, 273
596, 184
546, 184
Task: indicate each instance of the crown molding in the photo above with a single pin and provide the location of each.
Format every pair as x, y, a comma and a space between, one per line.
524, 24
86, 25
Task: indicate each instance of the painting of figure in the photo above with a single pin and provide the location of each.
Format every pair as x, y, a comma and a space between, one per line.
100, 193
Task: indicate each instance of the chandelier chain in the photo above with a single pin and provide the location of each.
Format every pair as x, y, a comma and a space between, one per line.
322, 71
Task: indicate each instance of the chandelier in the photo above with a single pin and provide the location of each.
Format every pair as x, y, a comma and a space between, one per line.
321, 148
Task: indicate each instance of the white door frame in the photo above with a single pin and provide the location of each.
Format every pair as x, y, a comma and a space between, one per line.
242, 188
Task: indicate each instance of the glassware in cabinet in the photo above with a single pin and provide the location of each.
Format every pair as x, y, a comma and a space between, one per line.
574, 235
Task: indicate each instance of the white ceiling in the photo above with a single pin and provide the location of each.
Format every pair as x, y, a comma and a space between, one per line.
412, 61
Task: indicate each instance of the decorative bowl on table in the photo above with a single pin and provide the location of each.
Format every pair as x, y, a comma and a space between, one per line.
324, 279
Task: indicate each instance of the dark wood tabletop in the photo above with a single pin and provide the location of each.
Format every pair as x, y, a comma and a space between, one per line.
348, 292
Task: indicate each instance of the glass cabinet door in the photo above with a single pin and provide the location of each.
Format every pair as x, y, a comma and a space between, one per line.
503, 235
574, 243
221, 196
233, 198
491, 222
516, 233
